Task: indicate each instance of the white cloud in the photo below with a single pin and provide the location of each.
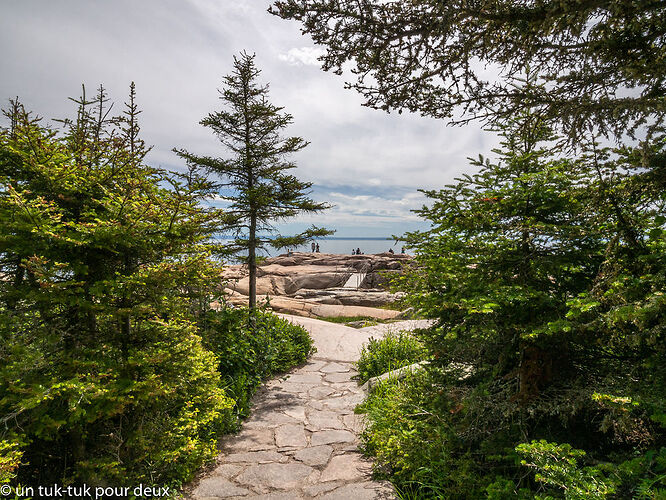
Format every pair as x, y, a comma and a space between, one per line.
177, 53
303, 55
370, 209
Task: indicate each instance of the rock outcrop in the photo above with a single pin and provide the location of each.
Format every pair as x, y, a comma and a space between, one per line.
321, 285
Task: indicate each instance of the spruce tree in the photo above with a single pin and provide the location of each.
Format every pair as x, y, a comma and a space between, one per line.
104, 276
601, 61
254, 176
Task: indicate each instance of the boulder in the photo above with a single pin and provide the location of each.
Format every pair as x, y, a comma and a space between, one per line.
396, 374
301, 307
314, 284
350, 296
280, 284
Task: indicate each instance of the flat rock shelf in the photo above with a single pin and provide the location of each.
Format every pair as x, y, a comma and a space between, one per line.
321, 285
301, 440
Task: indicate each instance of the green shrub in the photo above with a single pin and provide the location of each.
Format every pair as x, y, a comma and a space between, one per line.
10, 459
411, 435
644, 476
393, 351
105, 283
562, 470
557, 465
251, 348
437, 437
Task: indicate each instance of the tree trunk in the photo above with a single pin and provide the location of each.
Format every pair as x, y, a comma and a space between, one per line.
252, 262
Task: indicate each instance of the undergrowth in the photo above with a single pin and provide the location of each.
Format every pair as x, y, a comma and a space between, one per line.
394, 350
432, 436
246, 356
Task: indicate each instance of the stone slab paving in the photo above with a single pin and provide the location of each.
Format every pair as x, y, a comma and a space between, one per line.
301, 440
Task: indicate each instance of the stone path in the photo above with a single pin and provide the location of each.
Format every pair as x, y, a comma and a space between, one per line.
301, 439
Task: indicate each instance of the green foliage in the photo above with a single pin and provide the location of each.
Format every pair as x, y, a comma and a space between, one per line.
430, 57
10, 459
557, 465
508, 248
545, 276
411, 435
255, 178
394, 350
247, 355
104, 270
505, 489
643, 477
105, 289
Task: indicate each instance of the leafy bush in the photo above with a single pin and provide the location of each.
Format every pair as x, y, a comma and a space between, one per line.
558, 468
251, 347
557, 465
10, 459
546, 277
105, 286
394, 350
422, 438
411, 435
642, 477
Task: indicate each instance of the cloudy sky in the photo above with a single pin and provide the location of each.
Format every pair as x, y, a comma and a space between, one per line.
368, 164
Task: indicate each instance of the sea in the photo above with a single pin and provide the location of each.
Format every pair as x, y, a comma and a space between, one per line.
342, 245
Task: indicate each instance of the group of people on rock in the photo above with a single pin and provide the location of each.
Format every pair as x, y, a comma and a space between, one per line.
358, 251
315, 249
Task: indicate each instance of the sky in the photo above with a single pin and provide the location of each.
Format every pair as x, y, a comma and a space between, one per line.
368, 164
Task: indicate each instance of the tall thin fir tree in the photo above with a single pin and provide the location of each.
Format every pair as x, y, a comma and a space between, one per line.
255, 176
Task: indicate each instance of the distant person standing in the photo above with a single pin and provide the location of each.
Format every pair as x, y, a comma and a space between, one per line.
403, 250
317, 248
313, 246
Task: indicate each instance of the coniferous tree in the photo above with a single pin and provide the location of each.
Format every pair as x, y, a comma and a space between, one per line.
255, 178
546, 279
508, 247
601, 61
103, 375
